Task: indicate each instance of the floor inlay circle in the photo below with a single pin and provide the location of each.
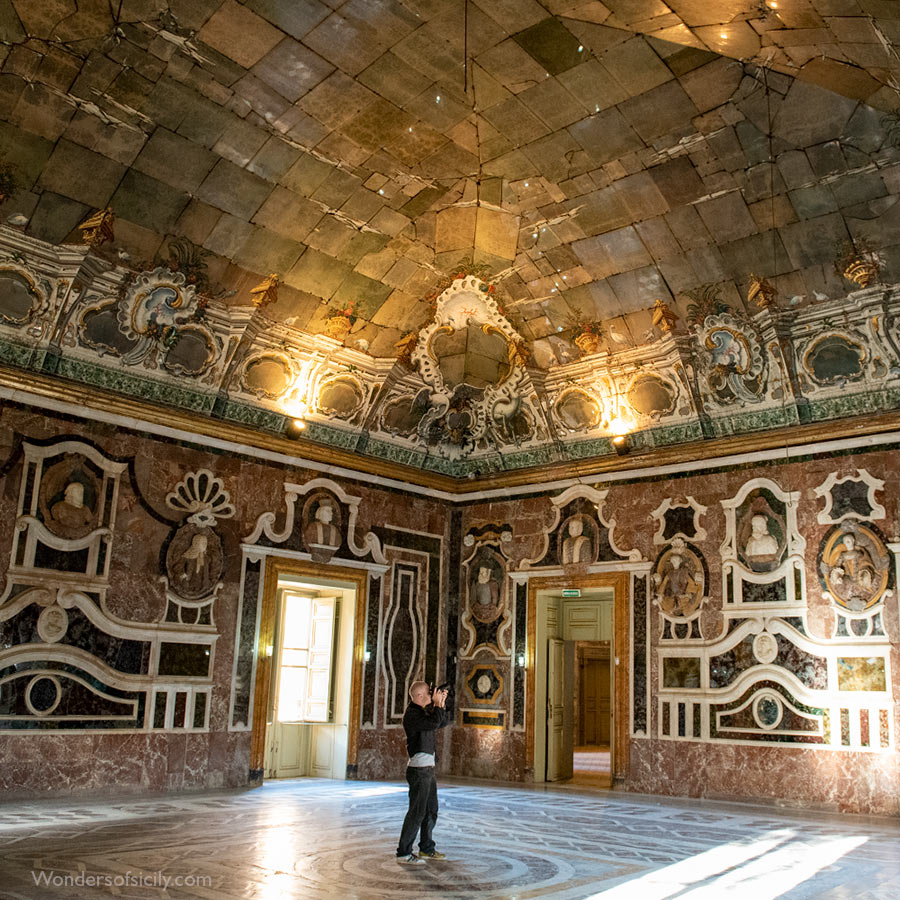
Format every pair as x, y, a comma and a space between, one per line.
465, 870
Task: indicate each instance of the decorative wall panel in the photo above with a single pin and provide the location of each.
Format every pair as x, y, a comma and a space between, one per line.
67, 660
371, 652
319, 525
404, 639
766, 678
639, 654
486, 647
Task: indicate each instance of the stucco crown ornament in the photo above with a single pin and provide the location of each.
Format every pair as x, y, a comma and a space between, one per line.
663, 317
97, 228
202, 496
266, 291
761, 292
858, 263
460, 411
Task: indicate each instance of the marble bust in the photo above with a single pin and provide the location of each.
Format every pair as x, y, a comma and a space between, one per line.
71, 515
485, 595
577, 546
760, 542
321, 532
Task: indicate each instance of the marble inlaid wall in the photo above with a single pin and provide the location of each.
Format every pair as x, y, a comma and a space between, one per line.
764, 660
762, 627
128, 597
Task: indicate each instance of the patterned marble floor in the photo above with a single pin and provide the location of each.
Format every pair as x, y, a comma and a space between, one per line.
323, 839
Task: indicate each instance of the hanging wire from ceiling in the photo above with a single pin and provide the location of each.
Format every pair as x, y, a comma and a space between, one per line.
784, 364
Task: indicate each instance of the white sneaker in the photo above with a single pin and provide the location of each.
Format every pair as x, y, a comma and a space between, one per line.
411, 860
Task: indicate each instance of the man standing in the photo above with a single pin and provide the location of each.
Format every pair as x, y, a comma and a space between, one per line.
424, 715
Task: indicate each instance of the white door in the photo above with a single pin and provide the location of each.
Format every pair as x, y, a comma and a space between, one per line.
567, 761
556, 712
302, 688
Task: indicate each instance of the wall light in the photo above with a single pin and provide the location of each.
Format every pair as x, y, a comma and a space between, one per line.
521, 660
295, 406
621, 444
620, 426
295, 427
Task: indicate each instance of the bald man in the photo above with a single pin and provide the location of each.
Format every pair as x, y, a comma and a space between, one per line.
424, 715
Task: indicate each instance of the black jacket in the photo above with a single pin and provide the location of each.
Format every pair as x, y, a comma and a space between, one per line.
420, 724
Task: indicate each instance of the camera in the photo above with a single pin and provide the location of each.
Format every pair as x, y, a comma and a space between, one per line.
442, 687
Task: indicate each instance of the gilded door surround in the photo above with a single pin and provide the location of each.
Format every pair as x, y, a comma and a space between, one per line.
622, 689
276, 567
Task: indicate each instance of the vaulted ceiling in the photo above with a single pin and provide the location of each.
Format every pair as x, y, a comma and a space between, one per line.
591, 157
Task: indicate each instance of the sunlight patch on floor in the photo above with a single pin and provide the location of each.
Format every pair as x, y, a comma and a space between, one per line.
763, 869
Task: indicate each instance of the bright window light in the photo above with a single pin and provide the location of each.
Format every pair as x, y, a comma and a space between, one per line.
304, 674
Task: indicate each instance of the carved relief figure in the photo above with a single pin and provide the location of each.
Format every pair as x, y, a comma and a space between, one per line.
194, 562
855, 567
486, 595
577, 547
321, 535
68, 497
679, 581
52, 624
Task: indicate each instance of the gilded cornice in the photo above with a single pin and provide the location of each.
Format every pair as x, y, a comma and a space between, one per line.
55, 395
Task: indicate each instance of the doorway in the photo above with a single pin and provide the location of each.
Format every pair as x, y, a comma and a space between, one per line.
308, 703
575, 684
593, 713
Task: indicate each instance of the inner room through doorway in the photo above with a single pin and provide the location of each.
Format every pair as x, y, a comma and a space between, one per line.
575, 683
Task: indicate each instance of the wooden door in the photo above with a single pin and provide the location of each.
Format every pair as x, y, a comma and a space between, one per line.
596, 701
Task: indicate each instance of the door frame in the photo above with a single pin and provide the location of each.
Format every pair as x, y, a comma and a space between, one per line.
275, 567
619, 581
